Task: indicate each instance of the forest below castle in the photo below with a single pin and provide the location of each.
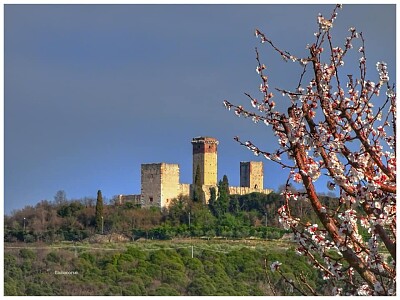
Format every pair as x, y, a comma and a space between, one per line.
155, 268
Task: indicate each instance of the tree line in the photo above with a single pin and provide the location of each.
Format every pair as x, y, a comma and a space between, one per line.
225, 215
231, 216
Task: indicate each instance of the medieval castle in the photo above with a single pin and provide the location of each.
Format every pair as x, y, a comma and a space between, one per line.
160, 181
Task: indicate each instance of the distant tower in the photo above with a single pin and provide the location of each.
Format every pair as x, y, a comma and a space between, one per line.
160, 184
251, 174
205, 157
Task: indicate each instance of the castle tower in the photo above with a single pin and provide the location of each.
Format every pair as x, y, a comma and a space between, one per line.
251, 174
205, 157
160, 184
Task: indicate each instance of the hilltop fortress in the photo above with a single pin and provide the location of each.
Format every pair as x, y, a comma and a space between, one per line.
160, 181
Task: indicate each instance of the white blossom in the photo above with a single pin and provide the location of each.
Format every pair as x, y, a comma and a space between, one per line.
364, 290
275, 266
337, 291
324, 24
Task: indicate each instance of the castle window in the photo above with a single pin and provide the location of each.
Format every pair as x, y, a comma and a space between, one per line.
151, 199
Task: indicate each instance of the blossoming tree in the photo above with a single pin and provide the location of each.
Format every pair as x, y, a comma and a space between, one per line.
344, 128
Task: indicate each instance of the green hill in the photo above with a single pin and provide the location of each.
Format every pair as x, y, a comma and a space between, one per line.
151, 268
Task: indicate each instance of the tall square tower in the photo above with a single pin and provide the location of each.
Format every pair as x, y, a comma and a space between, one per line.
252, 174
205, 158
160, 184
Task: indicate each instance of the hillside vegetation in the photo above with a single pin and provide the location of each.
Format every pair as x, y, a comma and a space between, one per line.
230, 216
152, 268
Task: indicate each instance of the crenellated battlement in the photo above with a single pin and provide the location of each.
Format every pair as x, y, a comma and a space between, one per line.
205, 140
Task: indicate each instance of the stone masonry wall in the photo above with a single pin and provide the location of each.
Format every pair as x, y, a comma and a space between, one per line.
169, 183
256, 174
233, 190
160, 184
151, 185
184, 189
210, 168
252, 174
238, 190
135, 199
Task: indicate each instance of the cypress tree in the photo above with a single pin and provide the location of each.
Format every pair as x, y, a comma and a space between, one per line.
99, 211
225, 185
222, 203
198, 194
213, 198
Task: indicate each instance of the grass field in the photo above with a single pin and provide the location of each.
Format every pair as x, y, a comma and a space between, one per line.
224, 245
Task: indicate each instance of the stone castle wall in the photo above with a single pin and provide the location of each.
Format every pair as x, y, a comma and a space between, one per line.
206, 190
135, 199
187, 190
233, 190
184, 189
239, 190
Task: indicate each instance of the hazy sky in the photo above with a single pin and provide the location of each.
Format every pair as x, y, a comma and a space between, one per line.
94, 91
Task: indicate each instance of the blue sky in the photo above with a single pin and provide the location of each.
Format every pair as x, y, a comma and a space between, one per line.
94, 91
